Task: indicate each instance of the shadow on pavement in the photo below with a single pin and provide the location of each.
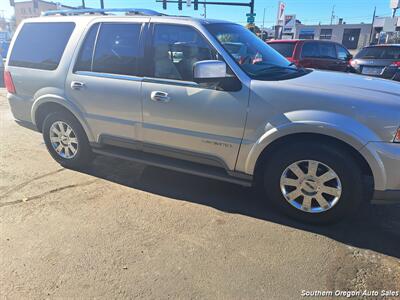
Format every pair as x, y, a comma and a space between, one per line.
377, 227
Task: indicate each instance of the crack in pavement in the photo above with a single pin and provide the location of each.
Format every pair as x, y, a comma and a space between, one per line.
48, 193
23, 184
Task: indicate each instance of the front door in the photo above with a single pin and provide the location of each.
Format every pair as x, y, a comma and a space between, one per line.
183, 118
105, 82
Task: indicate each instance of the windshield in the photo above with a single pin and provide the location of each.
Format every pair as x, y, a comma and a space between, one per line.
379, 52
286, 49
255, 57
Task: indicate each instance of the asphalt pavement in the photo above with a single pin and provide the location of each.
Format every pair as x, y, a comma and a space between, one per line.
126, 230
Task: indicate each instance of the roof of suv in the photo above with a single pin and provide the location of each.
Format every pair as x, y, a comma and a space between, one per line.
89, 17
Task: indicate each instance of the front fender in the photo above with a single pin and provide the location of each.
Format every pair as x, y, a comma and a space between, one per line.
334, 125
54, 98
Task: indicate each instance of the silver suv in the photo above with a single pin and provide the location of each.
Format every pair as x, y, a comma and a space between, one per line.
167, 91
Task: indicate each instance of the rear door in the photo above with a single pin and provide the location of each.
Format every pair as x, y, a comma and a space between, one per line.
319, 55
310, 57
105, 80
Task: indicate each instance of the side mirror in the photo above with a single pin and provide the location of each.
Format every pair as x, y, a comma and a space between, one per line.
209, 70
213, 73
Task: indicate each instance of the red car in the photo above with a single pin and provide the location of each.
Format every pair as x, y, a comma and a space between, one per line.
315, 54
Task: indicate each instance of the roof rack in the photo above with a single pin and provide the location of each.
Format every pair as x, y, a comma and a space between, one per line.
106, 11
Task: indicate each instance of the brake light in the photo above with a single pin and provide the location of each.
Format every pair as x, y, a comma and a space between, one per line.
353, 63
9, 82
396, 64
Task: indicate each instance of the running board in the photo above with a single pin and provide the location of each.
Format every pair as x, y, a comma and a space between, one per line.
174, 164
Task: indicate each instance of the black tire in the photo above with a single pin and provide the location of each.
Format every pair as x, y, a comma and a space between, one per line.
337, 158
83, 156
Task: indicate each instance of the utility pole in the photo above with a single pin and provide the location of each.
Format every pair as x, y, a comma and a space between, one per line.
333, 14
83, 4
102, 4
205, 9
372, 27
263, 23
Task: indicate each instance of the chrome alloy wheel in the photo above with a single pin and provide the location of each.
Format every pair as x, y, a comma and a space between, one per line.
311, 186
63, 140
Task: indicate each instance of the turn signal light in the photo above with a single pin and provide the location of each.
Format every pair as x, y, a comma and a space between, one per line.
397, 136
8, 82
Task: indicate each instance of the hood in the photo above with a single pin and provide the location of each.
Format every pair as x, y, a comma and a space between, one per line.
350, 84
371, 101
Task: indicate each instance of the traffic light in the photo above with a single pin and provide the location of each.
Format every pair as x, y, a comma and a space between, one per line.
180, 4
164, 4
196, 4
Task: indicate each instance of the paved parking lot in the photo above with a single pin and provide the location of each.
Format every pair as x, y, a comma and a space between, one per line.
124, 230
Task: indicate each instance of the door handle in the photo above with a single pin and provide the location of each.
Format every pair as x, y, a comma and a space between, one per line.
159, 96
76, 85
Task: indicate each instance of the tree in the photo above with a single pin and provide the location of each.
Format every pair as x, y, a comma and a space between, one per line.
253, 28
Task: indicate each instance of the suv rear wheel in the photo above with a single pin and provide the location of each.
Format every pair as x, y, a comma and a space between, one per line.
315, 183
66, 140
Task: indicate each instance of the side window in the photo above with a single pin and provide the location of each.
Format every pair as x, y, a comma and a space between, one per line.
310, 50
176, 48
41, 45
343, 54
84, 61
117, 49
327, 50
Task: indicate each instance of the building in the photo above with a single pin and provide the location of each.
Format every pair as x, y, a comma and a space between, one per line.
386, 30
352, 36
30, 9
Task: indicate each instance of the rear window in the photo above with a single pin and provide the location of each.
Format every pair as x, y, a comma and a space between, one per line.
286, 49
380, 52
41, 45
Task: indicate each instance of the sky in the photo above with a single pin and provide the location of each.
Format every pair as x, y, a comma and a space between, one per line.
307, 11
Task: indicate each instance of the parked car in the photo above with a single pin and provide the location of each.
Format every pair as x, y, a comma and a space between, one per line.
112, 85
379, 60
323, 55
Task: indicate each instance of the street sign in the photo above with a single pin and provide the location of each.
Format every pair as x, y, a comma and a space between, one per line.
250, 20
250, 15
395, 4
280, 18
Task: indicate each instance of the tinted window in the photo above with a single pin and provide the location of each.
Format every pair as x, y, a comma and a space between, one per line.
310, 50
84, 62
380, 52
343, 54
327, 50
117, 49
41, 45
176, 49
286, 49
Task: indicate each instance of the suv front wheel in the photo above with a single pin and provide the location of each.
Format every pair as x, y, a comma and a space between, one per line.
315, 183
66, 140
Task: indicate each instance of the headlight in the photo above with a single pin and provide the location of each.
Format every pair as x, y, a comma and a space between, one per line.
397, 136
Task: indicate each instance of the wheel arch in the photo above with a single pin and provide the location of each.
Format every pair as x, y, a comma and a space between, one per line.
54, 103
311, 137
